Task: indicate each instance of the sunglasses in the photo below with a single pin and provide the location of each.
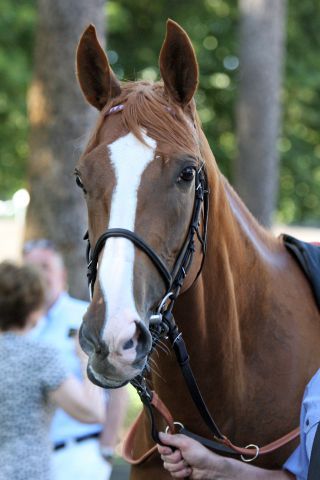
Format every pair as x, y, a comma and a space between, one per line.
42, 243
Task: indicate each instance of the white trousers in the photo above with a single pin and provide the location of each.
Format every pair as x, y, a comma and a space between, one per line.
80, 461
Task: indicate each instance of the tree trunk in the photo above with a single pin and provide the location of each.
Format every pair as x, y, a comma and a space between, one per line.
60, 119
262, 32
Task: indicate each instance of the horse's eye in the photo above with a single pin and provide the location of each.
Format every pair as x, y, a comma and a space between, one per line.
187, 174
80, 184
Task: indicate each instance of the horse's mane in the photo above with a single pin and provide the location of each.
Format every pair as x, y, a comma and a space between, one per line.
147, 106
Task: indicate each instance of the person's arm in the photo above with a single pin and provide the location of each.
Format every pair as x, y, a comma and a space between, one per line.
190, 459
82, 400
117, 406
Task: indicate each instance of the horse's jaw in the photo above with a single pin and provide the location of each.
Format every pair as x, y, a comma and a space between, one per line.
103, 381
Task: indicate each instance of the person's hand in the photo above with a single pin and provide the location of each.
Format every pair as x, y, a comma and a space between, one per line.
174, 462
187, 458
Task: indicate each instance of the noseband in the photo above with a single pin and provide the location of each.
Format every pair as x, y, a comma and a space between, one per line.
173, 280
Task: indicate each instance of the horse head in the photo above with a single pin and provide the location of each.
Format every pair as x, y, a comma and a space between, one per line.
139, 174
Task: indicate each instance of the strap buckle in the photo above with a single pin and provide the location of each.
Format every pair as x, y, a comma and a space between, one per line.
140, 384
248, 460
157, 317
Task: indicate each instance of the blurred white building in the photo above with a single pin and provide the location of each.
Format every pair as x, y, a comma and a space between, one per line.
12, 219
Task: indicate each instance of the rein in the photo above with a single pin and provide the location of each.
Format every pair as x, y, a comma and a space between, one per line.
163, 324
220, 443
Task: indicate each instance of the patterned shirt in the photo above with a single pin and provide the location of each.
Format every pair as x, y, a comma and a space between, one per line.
65, 315
29, 371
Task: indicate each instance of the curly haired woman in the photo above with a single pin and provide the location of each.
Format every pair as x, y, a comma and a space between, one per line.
33, 380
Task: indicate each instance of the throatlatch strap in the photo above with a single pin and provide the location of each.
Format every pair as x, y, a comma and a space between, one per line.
314, 468
220, 443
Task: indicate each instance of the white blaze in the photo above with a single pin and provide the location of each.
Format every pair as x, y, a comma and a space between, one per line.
129, 158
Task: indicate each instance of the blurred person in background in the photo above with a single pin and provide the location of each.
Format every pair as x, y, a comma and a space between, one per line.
33, 381
81, 451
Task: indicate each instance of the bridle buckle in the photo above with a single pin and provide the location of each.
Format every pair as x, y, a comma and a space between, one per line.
157, 317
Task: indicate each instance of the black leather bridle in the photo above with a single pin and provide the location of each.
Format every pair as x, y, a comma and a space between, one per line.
173, 280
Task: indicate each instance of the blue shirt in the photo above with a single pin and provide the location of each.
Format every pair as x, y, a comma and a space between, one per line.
298, 462
65, 314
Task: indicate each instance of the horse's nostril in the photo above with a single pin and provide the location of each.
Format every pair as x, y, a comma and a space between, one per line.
129, 344
144, 341
91, 343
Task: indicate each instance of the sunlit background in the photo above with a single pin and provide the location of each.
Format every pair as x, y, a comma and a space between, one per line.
212, 25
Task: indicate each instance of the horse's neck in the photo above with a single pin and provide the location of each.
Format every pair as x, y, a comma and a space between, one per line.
241, 260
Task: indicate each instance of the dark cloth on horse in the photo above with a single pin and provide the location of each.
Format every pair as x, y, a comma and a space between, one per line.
308, 257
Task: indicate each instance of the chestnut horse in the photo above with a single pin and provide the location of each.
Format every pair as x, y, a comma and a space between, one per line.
247, 312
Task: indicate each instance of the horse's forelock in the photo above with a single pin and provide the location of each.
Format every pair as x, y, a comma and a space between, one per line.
146, 106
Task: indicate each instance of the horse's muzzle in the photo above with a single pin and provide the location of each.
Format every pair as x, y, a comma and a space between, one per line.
115, 366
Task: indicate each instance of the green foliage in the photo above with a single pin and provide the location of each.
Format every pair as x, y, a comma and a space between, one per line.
16, 43
135, 33
299, 199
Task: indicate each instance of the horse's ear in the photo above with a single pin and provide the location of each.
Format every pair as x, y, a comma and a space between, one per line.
178, 64
98, 82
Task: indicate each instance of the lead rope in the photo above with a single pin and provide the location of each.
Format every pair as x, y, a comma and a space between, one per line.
228, 447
